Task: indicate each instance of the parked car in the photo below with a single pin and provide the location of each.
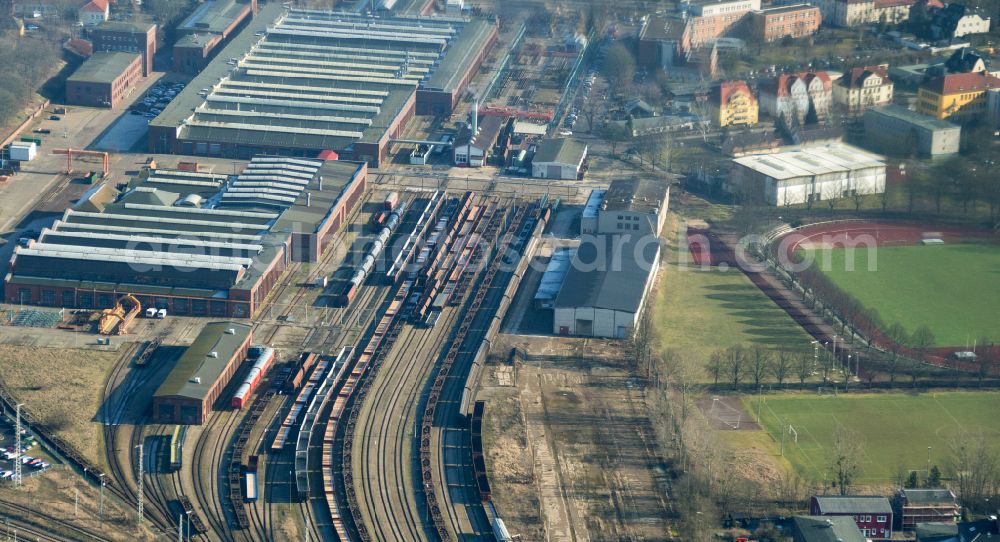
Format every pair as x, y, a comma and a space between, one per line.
55, 117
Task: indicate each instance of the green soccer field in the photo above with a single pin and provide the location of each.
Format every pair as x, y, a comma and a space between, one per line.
895, 428
953, 289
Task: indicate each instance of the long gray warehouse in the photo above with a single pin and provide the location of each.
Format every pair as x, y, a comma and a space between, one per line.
298, 82
194, 243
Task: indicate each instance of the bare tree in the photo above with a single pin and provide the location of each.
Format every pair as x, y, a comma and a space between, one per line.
921, 341
975, 468
736, 359
619, 65
716, 365
759, 364
897, 339
803, 366
782, 366
846, 462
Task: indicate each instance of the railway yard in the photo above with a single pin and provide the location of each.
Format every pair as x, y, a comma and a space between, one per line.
274, 342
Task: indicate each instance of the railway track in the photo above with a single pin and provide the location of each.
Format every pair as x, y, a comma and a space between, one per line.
47, 527
390, 500
450, 486
122, 478
206, 493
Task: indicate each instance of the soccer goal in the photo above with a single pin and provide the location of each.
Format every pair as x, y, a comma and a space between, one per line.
793, 433
827, 391
727, 415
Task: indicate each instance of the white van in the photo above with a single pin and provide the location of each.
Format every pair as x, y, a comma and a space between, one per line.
162, 313
151, 312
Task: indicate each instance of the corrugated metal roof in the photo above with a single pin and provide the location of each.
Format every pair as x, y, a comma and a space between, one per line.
810, 161
555, 273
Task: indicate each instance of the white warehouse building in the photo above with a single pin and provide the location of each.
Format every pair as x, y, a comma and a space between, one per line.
809, 174
607, 285
558, 159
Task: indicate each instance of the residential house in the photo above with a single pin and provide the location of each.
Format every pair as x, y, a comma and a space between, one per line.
794, 21
873, 515
961, 97
863, 87
955, 21
94, 12
967, 60
915, 506
820, 529
733, 103
801, 95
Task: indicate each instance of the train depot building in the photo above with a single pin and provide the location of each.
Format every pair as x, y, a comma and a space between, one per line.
299, 82
193, 243
201, 374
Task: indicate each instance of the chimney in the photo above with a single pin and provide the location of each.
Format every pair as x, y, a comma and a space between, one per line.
321, 182
309, 199
475, 117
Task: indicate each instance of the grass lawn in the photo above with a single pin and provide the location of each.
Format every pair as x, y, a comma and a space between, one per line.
699, 311
950, 288
895, 427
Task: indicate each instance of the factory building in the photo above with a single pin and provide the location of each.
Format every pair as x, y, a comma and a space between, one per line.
299, 82
201, 374
607, 285
197, 244
127, 37
808, 175
207, 29
636, 206
104, 80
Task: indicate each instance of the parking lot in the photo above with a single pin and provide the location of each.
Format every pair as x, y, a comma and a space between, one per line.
31, 462
156, 99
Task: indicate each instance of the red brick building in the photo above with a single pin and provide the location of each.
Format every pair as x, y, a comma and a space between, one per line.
104, 80
873, 515
201, 374
796, 21
203, 32
128, 37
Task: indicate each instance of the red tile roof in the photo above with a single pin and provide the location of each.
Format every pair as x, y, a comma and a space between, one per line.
961, 82
725, 89
782, 85
855, 77
95, 5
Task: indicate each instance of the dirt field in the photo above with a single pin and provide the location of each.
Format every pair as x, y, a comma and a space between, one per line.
54, 493
62, 388
570, 448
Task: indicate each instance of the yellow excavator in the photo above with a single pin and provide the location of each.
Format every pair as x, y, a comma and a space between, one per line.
115, 321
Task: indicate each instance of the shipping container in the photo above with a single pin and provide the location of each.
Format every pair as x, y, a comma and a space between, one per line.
23, 151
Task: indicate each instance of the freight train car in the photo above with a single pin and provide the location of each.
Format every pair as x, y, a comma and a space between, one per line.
250, 487
390, 201
260, 366
371, 256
